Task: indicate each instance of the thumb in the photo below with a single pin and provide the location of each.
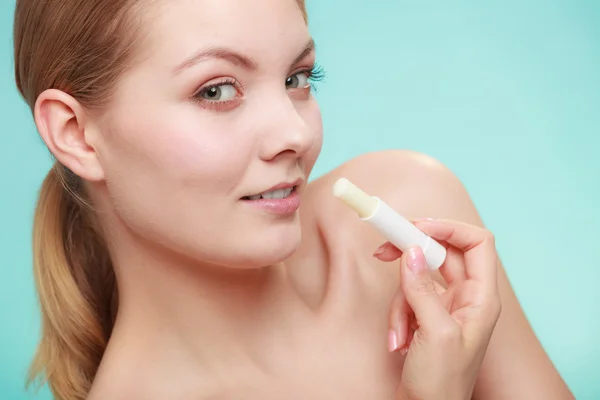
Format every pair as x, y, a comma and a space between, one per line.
420, 293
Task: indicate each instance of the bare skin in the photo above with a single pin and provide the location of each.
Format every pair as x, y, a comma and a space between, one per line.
339, 297
222, 299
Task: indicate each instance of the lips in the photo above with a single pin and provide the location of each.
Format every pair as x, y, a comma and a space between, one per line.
273, 194
282, 200
280, 191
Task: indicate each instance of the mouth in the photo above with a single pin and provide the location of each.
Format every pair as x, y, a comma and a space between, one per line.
273, 194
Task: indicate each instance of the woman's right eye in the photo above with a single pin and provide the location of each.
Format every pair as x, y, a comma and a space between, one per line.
220, 93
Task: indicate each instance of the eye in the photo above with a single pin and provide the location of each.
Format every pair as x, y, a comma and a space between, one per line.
306, 78
220, 92
298, 80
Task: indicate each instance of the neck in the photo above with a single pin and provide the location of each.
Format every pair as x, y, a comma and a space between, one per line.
212, 316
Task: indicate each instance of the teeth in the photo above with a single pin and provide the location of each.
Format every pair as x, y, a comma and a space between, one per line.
277, 194
274, 194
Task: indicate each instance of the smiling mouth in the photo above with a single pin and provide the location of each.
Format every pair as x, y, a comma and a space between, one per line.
273, 194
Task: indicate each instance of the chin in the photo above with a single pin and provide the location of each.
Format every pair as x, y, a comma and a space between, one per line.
253, 245
271, 246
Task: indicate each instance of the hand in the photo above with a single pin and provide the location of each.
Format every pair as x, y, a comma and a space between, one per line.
444, 332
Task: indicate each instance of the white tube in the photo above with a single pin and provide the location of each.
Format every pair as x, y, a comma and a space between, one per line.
394, 227
403, 234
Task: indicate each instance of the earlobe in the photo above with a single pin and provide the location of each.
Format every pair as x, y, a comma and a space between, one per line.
62, 123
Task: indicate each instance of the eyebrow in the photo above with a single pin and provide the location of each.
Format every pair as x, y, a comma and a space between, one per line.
234, 57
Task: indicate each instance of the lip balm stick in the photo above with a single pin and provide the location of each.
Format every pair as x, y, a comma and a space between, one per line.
394, 227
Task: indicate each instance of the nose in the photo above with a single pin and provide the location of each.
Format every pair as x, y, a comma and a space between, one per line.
286, 133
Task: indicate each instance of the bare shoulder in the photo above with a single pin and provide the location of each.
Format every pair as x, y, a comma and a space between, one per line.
414, 184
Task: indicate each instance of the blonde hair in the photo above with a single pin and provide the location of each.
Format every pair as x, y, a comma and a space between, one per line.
80, 47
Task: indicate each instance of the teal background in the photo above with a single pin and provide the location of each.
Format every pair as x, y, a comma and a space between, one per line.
506, 93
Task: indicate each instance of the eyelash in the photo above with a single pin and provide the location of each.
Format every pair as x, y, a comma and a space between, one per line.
314, 74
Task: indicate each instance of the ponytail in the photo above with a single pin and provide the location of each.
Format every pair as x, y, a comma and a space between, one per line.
76, 287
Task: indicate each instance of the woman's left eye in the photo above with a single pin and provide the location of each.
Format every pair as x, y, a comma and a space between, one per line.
221, 92
297, 81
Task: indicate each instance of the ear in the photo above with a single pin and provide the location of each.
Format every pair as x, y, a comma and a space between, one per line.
67, 130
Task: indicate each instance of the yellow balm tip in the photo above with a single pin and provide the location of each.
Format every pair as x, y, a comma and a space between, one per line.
354, 197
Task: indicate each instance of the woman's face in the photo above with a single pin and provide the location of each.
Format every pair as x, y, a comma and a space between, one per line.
217, 112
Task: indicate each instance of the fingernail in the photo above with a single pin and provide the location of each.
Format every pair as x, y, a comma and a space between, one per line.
392, 340
379, 251
415, 260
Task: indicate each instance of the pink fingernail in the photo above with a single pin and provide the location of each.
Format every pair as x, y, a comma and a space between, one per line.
392, 340
415, 260
379, 251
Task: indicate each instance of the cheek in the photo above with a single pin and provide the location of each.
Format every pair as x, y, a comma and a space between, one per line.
166, 171
177, 150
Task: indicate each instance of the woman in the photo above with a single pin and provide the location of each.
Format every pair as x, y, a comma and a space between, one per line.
170, 256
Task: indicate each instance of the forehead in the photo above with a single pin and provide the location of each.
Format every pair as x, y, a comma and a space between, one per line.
264, 27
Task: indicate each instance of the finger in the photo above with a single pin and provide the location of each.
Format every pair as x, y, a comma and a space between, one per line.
387, 252
399, 321
439, 289
402, 323
411, 333
477, 244
453, 270
421, 295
